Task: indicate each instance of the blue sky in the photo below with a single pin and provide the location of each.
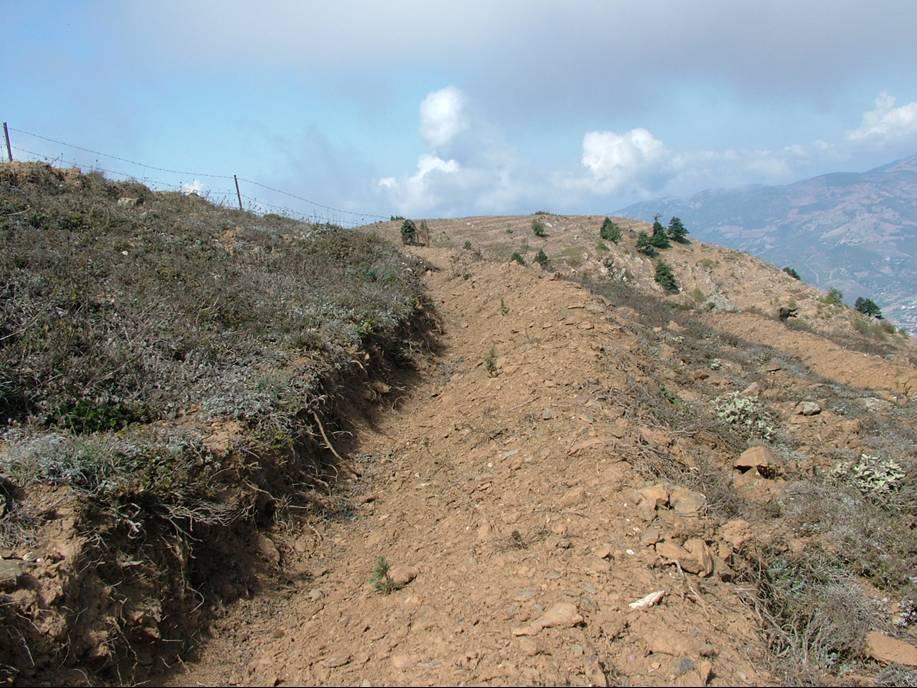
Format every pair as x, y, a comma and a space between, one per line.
434, 108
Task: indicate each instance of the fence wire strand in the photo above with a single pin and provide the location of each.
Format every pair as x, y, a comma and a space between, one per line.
331, 214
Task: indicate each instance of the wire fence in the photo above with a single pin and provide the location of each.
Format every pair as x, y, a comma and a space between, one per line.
221, 189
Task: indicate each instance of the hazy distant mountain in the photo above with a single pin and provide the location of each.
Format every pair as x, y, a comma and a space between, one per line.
853, 231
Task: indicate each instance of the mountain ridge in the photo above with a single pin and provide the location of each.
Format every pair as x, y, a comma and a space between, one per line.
849, 230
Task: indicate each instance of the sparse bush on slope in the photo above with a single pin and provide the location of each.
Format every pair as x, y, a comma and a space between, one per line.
129, 331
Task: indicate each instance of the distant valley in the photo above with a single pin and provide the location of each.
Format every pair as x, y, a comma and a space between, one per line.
853, 231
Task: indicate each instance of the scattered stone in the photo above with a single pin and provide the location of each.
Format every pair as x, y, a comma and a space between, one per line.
650, 537
656, 437
618, 429
267, 549
337, 661
685, 501
403, 662
736, 532
753, 390
402, 575
657, 495
597, 567
595, 672
548, 414
602, 551
884, 648
694, 557
128, 202
647, 601
683, 665
667, 641
561, 614
759, 459
808, 408
315, 594
528, 647
572, 496
773, 367
852, 426
700, 554
586, 444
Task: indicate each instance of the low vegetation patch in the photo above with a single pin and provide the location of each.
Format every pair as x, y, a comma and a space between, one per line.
744, 414
131, 332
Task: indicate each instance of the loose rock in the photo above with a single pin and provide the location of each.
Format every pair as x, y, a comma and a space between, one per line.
760, 459
884, 648
685, 501
561, 614
402, 575
647, 601
808, 408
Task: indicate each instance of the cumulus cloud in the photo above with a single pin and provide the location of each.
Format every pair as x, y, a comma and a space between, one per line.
442, 116
886, 123
466, 169
632, 162
415, 194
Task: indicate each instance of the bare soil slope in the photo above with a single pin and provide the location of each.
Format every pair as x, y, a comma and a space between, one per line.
528, 492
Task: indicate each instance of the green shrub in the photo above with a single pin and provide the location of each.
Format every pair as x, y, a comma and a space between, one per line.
381, 580
871, 475
518, 258
542, 259
791, 272
665, 277
610, 231
490, 362
834, 297
677, 231
868, 307
538, 227
644, 245
658, 238
745, 414
409, 233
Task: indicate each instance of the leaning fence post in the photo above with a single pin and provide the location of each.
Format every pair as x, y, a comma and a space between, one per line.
238, 194
9, 148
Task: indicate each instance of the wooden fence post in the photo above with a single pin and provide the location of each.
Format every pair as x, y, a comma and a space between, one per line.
9, 148
238, 194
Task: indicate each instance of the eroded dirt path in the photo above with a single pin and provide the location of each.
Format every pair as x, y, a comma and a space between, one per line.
509, 496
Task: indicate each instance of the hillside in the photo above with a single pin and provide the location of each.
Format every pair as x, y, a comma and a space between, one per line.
167, 371
729, 285
852, 231
362, 463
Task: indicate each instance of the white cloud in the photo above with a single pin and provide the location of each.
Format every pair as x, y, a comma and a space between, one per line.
195, 187
886, 123
442, 116
621, 162
415, 194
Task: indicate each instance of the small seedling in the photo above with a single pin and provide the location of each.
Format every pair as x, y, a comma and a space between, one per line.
490, 362
504, 309
380, 579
